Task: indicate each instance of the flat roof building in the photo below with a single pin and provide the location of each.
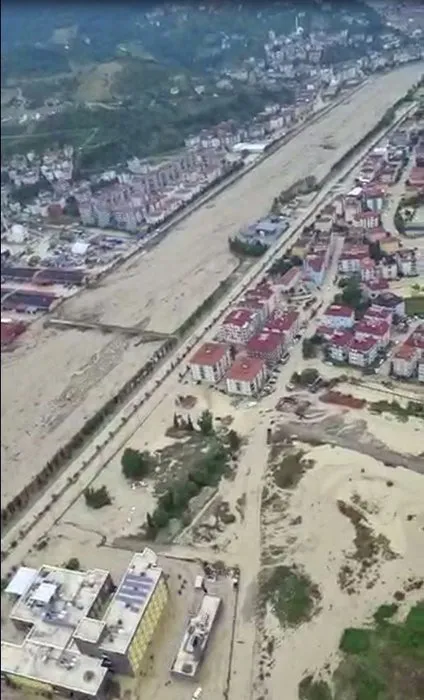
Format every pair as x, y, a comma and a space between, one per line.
196, 636
77, 628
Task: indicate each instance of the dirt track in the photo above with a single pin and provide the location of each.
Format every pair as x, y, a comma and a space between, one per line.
58, 378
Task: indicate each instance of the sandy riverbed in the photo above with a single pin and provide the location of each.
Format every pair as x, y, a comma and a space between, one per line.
322, 544
160, 289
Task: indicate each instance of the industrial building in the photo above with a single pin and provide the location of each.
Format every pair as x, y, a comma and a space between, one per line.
80, 628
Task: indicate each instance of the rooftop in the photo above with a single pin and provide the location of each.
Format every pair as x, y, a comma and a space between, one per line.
209, 354
130, 601
362, 344
283, 322
196, 635
388, 300
266, 341
288, 278
245, 369
62, 667
239, 317
405, 352
338, 310
372, 327
341, 339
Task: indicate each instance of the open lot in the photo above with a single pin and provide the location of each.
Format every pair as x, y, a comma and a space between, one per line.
414, 305
160, 289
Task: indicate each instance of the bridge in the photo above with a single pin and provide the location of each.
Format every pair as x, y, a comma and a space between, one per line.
143, 335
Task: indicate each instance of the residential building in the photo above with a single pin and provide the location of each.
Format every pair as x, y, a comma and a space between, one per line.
389, 245
210, 362
373, 288
338, 346
338, 316
407, 262
352, 204
239, 326
246, 376
314, 268
388, 300
387, 269
377, 329
79, 628
362, 351
288, 281
405, 361
266, 345
367, 269
373, 198
285, 322
366, 220
373, 314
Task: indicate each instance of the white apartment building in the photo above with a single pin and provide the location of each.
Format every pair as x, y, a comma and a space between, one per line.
210, 362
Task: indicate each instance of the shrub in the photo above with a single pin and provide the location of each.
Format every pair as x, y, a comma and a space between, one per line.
206, 422
97, 498
135, 464
355, 641
72, 564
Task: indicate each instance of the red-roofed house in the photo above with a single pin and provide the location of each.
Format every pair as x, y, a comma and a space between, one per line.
314, 267
362, 351
254, 304
239, 326
265, 293
374, 287
210, 362
379, 330
266, 345
325, 332
339, 345
351, 256
289, 280
246, 376
338, 316
405, 361
286, 322
373, 314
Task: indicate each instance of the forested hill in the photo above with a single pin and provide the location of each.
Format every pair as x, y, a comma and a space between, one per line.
49, 37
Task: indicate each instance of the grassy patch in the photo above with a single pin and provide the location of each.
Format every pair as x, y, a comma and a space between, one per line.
369, 548
290, 593
288, 471
383, 662
309, 689
413, 408
414, 306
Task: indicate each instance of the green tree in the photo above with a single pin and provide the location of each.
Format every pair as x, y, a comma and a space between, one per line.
352, 294
234, 441
97, 498
309, 349
160, 518
135, 464
72, 564
205, 422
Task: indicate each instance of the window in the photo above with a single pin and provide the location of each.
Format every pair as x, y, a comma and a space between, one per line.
238, 386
